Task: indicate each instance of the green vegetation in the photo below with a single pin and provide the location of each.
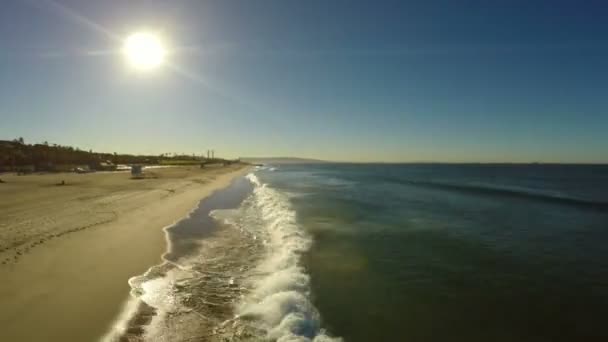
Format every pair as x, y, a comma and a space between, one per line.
17, 156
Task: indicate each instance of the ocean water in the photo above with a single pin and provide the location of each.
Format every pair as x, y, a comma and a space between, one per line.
333, 252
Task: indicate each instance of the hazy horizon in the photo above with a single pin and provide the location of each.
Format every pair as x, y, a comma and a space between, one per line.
339, 81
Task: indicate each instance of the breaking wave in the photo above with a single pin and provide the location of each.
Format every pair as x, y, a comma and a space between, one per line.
278, 303
243, 281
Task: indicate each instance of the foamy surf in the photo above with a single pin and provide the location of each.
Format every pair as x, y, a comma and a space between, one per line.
242, 282
278, 302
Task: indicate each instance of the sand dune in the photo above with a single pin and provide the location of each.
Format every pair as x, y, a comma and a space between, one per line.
67, 251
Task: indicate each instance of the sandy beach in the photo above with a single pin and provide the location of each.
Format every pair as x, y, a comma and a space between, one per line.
67, 251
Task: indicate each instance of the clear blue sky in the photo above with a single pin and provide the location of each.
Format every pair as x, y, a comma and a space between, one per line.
340, 80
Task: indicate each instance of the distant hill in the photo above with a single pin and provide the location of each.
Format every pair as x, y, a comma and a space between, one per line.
281, 160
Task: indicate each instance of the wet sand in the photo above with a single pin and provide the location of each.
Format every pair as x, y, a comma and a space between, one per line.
67, 251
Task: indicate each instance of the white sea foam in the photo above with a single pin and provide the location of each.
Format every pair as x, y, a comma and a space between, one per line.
256, 268
279, 302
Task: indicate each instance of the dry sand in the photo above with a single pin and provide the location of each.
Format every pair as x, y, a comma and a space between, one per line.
67, 251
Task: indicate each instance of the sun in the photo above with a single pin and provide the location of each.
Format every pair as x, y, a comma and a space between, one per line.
144, 51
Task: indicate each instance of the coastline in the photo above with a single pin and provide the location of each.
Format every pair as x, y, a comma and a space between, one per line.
89, 266
197, 244
232, 272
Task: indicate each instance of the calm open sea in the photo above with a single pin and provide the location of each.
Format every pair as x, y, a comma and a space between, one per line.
391, 253
454, 252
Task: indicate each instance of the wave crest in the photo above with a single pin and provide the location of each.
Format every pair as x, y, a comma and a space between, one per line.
504, 192
279, 302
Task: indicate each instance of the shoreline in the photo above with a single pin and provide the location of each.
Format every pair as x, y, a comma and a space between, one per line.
138, 314
90, 267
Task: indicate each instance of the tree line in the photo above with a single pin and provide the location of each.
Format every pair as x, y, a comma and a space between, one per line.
16, 155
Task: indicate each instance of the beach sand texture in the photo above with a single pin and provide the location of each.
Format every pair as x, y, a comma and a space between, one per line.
67, 251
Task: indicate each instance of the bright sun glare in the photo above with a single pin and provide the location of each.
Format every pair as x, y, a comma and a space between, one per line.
144, 51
